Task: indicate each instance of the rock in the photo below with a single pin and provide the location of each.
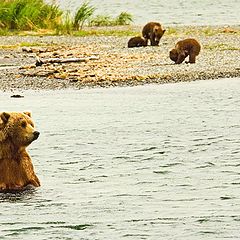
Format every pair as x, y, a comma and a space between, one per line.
17, 96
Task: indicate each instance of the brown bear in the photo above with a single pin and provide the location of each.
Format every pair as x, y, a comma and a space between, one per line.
154, 32
16, 169
187, 47
137, 42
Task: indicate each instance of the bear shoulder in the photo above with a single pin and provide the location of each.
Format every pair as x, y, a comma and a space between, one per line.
189, 43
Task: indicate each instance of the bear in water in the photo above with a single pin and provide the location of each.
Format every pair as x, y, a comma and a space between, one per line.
187, 47
17, 131
137, 42
154, 32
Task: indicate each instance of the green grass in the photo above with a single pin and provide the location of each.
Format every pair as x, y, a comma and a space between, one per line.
8, 46
123, 18
205, 31
209, 32
66, 26
83, 13
25, 44
28, 15
171, 31
105, 32
221, 47
38, 18
31, 44
17, 16
4, 32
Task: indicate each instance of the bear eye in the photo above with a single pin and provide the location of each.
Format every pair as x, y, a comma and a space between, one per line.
24, 124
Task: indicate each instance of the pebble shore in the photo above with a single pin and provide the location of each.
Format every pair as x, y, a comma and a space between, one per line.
115, 64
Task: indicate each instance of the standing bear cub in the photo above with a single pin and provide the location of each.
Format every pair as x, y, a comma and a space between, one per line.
154, 32
188, 47
16, 133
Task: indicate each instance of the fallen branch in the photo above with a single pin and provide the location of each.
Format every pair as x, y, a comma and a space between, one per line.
40, 62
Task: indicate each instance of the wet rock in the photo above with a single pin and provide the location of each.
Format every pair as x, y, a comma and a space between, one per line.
17, 96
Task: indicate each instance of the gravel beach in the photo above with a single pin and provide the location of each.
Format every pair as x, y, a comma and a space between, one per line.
114, 64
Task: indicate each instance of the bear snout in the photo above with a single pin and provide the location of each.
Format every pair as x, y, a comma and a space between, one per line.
35, 135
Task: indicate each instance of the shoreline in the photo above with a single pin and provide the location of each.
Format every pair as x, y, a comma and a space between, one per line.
116, 65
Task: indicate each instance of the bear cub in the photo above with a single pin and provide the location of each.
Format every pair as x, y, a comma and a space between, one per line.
17, 131
187, 47
154, 32
137, 42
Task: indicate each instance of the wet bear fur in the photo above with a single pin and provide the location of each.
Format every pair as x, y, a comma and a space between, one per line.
187, 47
154, 32
16, 169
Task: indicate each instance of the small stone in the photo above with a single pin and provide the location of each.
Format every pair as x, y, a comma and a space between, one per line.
17, 96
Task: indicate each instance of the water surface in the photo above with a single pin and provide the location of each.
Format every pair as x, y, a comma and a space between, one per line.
174, 12
147, 162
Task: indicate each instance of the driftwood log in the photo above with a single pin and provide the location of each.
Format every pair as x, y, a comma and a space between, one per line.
40, 62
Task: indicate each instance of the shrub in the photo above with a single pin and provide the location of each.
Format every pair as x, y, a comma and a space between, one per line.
28, 14
36, 14
82, 14
123, 18
66, 24
101, 20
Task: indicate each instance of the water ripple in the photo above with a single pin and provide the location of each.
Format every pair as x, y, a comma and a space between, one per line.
150, 162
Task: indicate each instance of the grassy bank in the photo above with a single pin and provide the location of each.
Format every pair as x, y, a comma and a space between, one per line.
17, 16
28, 15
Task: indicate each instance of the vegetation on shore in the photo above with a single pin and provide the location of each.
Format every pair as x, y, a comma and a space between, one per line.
28, 15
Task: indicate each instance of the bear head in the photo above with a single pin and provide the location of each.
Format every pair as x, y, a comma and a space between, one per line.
173, 54
158, 33
18, 128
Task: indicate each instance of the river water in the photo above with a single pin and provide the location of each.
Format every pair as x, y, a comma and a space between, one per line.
145, 162
174, 12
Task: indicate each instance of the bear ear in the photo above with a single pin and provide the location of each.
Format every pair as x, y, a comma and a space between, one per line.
5, 116
28, 114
